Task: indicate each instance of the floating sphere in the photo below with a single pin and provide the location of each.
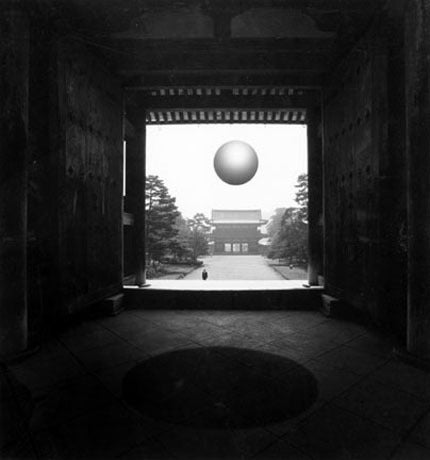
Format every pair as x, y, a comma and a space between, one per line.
236, 162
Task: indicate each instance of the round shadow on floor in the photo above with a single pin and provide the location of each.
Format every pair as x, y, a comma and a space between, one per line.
220, 387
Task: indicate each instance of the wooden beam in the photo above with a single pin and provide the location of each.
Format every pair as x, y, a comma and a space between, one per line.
315, 191
163, 47
142, 80
224, 102
229, 116
135, 194
188, 60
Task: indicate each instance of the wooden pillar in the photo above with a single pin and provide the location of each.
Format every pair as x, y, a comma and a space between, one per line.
14, 66
139, 184
315, 191
417, 52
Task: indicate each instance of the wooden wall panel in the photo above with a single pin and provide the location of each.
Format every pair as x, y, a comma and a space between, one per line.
90, 174
351, 168
363, 162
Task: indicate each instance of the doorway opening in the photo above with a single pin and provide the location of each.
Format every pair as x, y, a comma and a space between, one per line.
195, 221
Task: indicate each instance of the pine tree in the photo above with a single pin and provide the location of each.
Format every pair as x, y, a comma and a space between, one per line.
289, 233
182, 247
302, 196
192, 239
199, 227
161, 216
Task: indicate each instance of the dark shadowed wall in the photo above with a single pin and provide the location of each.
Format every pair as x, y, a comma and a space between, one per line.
88, 134
364, 165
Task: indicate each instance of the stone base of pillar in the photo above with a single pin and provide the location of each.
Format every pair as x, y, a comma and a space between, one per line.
141, 279
113, 305
330, 306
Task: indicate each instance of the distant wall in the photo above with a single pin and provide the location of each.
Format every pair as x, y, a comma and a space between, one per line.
364, 167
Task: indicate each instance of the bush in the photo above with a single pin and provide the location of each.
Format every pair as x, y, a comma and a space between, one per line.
151, 272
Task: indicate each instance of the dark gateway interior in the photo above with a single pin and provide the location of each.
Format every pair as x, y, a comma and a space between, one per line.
334, 369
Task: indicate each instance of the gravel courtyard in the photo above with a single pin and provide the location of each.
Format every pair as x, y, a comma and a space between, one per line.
236, 268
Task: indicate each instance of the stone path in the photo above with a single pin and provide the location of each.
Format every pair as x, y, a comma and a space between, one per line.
235, 268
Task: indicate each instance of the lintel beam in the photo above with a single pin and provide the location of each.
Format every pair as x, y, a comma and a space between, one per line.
224, 102
144, 80
166, 46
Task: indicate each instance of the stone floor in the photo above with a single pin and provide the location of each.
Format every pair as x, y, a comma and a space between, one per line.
364, 404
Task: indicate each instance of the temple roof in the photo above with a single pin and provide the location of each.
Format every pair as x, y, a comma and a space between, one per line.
237, 216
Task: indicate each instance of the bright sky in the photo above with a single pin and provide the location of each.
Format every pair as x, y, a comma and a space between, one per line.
182, 155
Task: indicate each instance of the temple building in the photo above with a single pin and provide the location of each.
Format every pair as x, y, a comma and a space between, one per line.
236, 231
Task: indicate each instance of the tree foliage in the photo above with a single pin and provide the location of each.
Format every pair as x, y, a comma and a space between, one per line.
192, 239
275, 222
182, 248
168, 233
302, 196
288, 228
161, 216
199, 227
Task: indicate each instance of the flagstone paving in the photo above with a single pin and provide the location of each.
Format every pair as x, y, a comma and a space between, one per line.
224, 384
